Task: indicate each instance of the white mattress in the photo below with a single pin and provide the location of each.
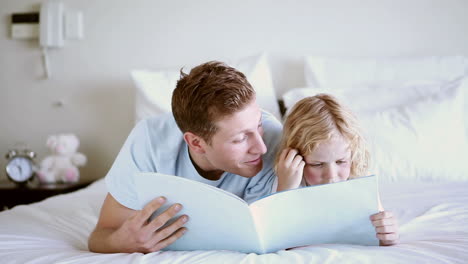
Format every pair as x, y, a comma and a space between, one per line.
433, 225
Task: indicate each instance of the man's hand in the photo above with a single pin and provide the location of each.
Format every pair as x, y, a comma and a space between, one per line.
290, 169
386, 228
141, 235
124, 230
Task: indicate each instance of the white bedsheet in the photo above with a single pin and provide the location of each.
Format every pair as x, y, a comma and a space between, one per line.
433, 225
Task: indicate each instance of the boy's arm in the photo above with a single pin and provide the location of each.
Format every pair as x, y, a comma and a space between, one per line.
386, 226
120, 229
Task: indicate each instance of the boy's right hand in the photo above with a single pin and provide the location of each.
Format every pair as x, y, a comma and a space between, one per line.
290, 169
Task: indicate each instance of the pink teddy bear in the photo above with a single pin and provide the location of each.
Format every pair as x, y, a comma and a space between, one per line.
62, 164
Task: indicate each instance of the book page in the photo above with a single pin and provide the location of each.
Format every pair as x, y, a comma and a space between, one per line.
330, 213
217, 219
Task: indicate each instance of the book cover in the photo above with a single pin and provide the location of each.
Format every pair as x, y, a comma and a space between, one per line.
219, 220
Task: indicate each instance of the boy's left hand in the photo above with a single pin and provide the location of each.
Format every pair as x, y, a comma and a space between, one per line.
386, 228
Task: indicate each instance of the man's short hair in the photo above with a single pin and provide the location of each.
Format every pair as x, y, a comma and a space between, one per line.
209, 92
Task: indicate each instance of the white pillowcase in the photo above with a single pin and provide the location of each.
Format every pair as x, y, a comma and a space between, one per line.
154, 88
350, 72
373, 97
422, 141
153, 92
415, 134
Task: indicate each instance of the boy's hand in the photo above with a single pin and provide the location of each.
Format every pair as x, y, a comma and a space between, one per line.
386, 228
290, 168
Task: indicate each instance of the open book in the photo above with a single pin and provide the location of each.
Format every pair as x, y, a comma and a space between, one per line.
219, 220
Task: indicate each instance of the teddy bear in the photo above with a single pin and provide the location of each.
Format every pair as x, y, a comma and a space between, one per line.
62, 165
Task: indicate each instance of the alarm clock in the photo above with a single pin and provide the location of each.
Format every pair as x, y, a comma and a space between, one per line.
20, 166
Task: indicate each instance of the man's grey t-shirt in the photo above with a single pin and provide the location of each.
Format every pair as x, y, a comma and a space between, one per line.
157, 145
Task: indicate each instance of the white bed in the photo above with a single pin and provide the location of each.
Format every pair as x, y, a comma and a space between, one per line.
433, 224
427, 189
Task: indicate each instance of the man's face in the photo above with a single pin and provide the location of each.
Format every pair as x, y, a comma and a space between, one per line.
237, 147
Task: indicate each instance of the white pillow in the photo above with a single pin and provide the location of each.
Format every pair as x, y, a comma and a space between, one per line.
153, 92
154, 88
404, 128
421, 141
373, 97
350, 72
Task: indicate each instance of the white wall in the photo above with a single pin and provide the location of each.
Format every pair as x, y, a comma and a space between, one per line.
91, 76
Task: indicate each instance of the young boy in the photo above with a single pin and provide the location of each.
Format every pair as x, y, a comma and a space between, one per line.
322, 144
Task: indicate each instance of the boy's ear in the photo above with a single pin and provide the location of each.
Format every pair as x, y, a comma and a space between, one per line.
194, 142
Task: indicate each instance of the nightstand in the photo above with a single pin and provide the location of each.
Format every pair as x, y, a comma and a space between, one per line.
11, 194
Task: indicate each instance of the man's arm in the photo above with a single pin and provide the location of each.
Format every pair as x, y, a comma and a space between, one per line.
120, 229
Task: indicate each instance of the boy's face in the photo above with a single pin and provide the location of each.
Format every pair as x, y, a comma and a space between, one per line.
237, 147
329, 162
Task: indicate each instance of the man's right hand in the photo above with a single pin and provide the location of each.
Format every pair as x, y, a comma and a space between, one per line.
126, 230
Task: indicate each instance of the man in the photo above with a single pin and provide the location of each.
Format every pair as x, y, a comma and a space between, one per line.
216, 135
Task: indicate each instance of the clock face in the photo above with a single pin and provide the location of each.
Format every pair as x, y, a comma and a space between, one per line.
20, 169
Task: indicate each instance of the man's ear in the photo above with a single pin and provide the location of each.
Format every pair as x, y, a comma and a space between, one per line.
195, 142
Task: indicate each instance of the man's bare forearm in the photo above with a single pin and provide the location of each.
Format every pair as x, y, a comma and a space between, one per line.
100, 241
123, 230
